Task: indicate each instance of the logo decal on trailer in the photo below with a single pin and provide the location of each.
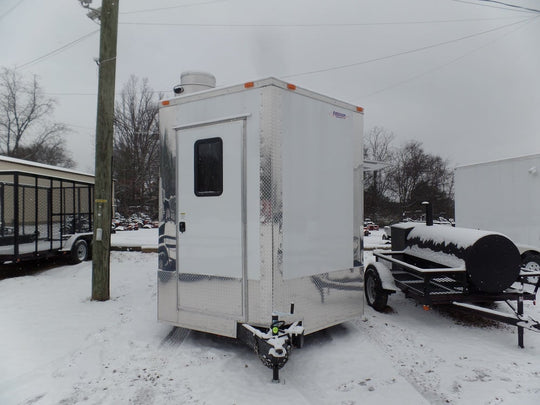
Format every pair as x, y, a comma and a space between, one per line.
339, 115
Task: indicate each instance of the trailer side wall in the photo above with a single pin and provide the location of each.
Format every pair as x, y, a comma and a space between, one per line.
501, 196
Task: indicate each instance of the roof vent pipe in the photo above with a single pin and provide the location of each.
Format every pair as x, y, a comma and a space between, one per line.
192, 82
429, 213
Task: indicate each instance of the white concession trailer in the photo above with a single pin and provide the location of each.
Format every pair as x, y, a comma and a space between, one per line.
260, 212
503, 196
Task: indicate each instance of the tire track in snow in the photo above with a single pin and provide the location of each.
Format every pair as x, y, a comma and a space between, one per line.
451, 362
401, 346
358, 374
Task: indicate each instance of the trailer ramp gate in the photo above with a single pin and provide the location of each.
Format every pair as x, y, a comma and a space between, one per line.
432, 284
38, 214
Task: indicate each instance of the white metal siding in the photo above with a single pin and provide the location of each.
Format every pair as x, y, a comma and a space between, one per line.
501, 196
318, 163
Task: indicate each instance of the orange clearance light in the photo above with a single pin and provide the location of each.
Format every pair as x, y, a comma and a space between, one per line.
426, 308
291, 86
360, 109
165, 102
248, 85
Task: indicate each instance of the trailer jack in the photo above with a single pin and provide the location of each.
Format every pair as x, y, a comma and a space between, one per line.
275, 345
517, 319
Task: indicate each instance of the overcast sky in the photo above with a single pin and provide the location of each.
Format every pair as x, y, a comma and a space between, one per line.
461, 76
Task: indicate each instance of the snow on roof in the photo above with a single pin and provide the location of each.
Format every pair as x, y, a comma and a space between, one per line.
6, 162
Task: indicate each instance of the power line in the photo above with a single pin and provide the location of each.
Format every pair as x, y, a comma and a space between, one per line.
316, 24
11, 9
491, 6
172, 7
95, 94
70, 94
449, 62
57, 50
512, 5
81, 126
70, 44
520, 8
423, 48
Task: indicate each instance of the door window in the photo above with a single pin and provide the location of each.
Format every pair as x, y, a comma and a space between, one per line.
208, 169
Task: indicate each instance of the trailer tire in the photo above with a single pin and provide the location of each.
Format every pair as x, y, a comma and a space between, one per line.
376, 296
531, 261
79, 251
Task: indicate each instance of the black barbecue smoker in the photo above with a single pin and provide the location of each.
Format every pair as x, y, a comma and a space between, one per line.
442, 264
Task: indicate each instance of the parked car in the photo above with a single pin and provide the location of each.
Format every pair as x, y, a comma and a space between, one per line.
371, 226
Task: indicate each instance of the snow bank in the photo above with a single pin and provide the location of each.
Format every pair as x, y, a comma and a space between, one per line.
142, 237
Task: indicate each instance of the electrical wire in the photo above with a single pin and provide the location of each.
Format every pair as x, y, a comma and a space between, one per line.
221, 1
11, 9
512, 5
80, 126
172, 7
95, 94
70, 94
70, 44
56, 51
417, 76
315, 24
410, 51
491, 6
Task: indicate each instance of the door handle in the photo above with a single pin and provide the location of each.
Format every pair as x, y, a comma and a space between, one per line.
182, 227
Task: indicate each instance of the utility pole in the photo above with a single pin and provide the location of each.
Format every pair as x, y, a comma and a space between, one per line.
104, 145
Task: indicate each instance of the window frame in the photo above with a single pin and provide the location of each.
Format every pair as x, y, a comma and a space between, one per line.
196, 169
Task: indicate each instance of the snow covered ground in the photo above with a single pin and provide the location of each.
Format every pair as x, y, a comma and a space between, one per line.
59, 347
141, 238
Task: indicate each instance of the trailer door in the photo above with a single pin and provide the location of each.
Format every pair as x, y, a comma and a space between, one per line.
211, 202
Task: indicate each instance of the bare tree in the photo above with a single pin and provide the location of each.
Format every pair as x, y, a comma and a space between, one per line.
417, 176
378, 147
25, 128
136, 148
50, 153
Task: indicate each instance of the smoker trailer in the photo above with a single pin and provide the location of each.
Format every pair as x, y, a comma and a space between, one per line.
42, 215
261, 212
440, 264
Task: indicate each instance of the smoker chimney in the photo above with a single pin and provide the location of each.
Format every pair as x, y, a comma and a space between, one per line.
429, 213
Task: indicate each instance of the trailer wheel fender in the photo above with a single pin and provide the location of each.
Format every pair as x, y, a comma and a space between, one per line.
376, 296
79, 251
531, 261
385, 275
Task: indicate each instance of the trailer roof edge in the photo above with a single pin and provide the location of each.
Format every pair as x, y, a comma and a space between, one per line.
532, 156
269, 81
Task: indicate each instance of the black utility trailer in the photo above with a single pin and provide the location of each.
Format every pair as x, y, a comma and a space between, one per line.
437, 265
43, 216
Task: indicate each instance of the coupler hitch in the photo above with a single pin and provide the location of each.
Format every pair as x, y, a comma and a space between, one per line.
274, 345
